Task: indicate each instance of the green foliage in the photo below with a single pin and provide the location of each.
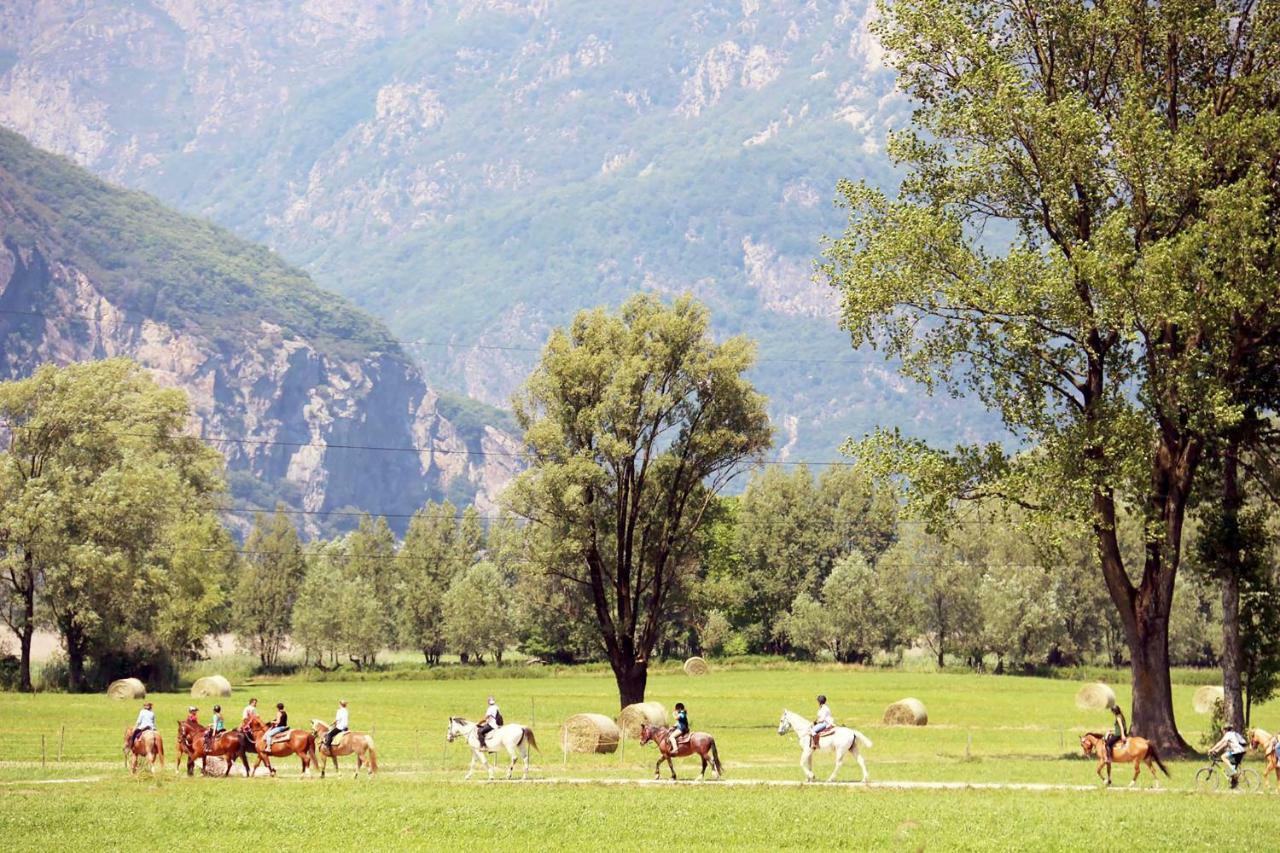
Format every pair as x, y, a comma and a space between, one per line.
478, 613
428, 562
274, 568
633, 422
106, 512
1089, 334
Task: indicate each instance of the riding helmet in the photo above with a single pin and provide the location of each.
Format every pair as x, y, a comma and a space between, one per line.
822, 699
217, 709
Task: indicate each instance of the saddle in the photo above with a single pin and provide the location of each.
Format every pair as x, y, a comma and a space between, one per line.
825, 733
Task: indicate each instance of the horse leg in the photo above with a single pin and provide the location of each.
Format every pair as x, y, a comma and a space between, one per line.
524, 753
671, 764
471, 768
657, 768
806, 763
1137, 771
861, 764
839, 760
514, 754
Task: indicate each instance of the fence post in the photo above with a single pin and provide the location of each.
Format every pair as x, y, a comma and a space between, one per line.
564, 746
968, 745
42, 762
62, 738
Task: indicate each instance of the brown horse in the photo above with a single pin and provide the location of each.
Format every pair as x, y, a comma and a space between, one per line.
700, 743
349, 743
1261, 740
229, 745
149, 744
1135, 749
297, 742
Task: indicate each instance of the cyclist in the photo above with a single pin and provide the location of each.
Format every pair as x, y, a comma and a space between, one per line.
1232, 747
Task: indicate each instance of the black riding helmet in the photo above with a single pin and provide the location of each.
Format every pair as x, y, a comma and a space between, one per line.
280, 706
822, 699
679, 706
217, 709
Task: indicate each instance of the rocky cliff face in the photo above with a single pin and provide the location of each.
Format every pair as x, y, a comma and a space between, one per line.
311, 402
294, 419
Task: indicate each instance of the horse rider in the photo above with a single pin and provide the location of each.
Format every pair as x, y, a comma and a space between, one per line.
277, 725
216, 727
1119, 731
1234, 747
193, 714
492, 720
824, 721
146, 721
249, 713
681, 727
340, 724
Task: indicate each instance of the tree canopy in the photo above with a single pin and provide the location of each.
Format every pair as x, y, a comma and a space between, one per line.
1130, 152
632, 423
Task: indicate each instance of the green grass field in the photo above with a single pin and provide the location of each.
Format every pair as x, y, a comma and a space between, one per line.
982, 729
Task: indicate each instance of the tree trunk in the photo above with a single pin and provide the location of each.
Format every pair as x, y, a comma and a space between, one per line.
1231, 569
75, 661
942, 657
632, 677
24, 670
1152, 712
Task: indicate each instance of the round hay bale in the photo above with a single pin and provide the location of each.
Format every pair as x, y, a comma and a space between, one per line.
1095, 697
906, 712
1205, 698
216, 765
127, 688
696, 666
211, 685
634, 716
590, 733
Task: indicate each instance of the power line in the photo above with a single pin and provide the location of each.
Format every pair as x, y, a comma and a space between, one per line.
417, 449
830, 523
415, 342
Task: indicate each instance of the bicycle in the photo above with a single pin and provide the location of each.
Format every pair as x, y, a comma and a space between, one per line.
1212, 776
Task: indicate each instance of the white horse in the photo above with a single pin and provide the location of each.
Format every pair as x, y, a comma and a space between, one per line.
515, 738
844, 741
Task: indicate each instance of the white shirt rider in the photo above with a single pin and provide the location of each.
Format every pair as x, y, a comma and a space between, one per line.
249, 712
340, 718
824, 716
146, 720
491, 714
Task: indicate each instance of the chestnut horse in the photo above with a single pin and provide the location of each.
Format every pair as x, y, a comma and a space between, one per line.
349, 743
1135, 749
149, 744
699, 743
229, 745
299, 742
1261, 739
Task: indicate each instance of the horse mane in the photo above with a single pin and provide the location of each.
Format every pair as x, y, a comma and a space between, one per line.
1094, 734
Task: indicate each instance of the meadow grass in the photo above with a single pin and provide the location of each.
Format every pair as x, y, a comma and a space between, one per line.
982, 729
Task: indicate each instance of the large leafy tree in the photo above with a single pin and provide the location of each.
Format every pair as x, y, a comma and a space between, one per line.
274, 568
102, 496
1130, 151
427, 563
633, 421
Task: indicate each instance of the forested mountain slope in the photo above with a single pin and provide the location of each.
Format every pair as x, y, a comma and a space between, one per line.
277, 370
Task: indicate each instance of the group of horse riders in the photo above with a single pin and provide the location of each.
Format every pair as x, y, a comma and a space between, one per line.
279, 723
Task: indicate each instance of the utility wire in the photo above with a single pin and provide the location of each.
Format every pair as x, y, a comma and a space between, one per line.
417, 342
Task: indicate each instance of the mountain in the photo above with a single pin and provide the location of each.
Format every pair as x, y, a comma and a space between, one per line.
473, 171
288, 381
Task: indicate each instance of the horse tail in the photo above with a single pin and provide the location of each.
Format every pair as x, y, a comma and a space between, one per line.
715, 756
160, 749
861, 740
1151, 750
373, 754
528, 735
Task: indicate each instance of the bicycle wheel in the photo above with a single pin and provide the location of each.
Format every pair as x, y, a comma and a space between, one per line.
1249, 781
1206, 779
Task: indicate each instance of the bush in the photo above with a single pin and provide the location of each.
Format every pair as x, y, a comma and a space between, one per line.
10, 672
